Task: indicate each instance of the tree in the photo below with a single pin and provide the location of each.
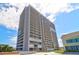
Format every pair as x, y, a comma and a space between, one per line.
6, 48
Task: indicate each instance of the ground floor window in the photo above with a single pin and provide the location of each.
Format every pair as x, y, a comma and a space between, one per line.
40, 49
19, 49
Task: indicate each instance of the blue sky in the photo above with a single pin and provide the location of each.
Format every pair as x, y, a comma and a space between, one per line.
67, 22
64, 16
6, 34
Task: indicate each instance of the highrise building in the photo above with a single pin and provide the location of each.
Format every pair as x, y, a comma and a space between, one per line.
36, 32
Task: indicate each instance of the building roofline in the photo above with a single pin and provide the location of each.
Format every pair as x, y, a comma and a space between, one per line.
72, 34
38, 12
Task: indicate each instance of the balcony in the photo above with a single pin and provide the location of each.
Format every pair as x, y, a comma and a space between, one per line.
35, 39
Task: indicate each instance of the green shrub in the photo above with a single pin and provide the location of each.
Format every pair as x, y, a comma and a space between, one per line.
72, 51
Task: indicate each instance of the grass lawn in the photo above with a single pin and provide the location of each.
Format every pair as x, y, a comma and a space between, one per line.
59, 51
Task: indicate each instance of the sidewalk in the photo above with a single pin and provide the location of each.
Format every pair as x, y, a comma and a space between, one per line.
45, 53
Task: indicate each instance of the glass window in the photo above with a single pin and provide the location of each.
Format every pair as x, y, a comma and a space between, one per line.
74, 47
31, 49
74, 40
67, 41
66, 48
77, 39
71, 47
20, 48
78, 47
40, 49
39, 42
31, 42
71, 41
39, 37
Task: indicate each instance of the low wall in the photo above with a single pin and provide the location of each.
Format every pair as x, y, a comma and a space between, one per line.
8, 53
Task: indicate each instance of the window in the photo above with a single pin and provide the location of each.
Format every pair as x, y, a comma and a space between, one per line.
39, 42
66, 48
72, 40
35, 46
31, 49
31, 35
68, 41
69, 48
72, 47
39, 37
77, 39
75, 47
78, 47
40, 49
31, 41
19, 48
20, 45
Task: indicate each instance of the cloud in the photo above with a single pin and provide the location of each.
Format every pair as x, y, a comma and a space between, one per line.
51, 18
60, 42
13, 41
33, 1
53, 8
10, 17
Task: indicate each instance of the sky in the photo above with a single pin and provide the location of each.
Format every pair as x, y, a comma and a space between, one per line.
63, 14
